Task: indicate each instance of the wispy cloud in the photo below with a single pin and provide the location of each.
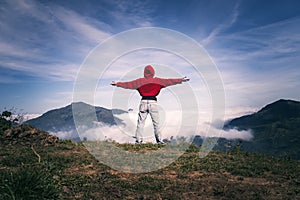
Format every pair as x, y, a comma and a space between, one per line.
223, 26
132, 14
7, 49
124, 133
81, 27
63, 39
259, 65
56, 51
49, 40
247, 88
271, 42
52, 71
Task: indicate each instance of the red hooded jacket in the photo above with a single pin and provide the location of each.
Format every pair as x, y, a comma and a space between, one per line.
149, 86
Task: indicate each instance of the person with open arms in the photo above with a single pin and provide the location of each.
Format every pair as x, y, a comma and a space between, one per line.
149, 87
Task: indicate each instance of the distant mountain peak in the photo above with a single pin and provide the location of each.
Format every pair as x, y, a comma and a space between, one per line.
282, 109
281, 103
80, 103
275, 127
62, 119
279, 110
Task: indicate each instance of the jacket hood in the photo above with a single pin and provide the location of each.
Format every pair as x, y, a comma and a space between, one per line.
149, 71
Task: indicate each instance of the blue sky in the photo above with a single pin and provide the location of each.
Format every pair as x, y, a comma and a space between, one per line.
254, 44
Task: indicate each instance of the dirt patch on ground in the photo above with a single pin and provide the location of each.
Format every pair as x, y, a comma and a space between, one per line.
27, 135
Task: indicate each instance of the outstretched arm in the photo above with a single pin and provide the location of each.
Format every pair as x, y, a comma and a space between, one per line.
126, 85
173, 81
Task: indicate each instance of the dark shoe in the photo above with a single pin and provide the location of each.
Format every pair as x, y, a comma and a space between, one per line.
160, 142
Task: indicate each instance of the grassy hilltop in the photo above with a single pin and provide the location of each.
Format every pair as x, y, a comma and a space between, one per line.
66, 170
37, 165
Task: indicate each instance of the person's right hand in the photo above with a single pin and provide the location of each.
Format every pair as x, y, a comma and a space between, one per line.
113, 83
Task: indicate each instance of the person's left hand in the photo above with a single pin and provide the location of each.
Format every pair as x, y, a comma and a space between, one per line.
113, 83
185, 79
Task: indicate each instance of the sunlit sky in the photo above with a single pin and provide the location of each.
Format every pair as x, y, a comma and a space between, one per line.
254, 44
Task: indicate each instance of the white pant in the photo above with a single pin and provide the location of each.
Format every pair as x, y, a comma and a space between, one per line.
151, 107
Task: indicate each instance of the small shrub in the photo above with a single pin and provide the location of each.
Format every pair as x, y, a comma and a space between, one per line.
27, 183
26, 156
4, 125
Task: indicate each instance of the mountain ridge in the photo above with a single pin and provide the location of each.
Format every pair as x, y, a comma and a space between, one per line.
62, 119
275, 129
278, 110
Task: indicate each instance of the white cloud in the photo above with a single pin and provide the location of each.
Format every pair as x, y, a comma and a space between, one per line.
46, 40
247, 89
171, 123
131, 14
261, 64
236, 111
55, 39
51, 71
83, 27
65, 135
53, 43
268, 44
30, 116
227, 134
7, 49
165, 63
118, 134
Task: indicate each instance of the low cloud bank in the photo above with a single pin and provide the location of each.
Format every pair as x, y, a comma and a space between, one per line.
123, 134
229, 134
173, 126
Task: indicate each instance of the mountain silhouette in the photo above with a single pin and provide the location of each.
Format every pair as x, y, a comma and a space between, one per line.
275, 128
62, 119
278, 111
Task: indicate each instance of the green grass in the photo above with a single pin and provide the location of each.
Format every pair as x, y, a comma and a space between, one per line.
68, 171
27, 182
